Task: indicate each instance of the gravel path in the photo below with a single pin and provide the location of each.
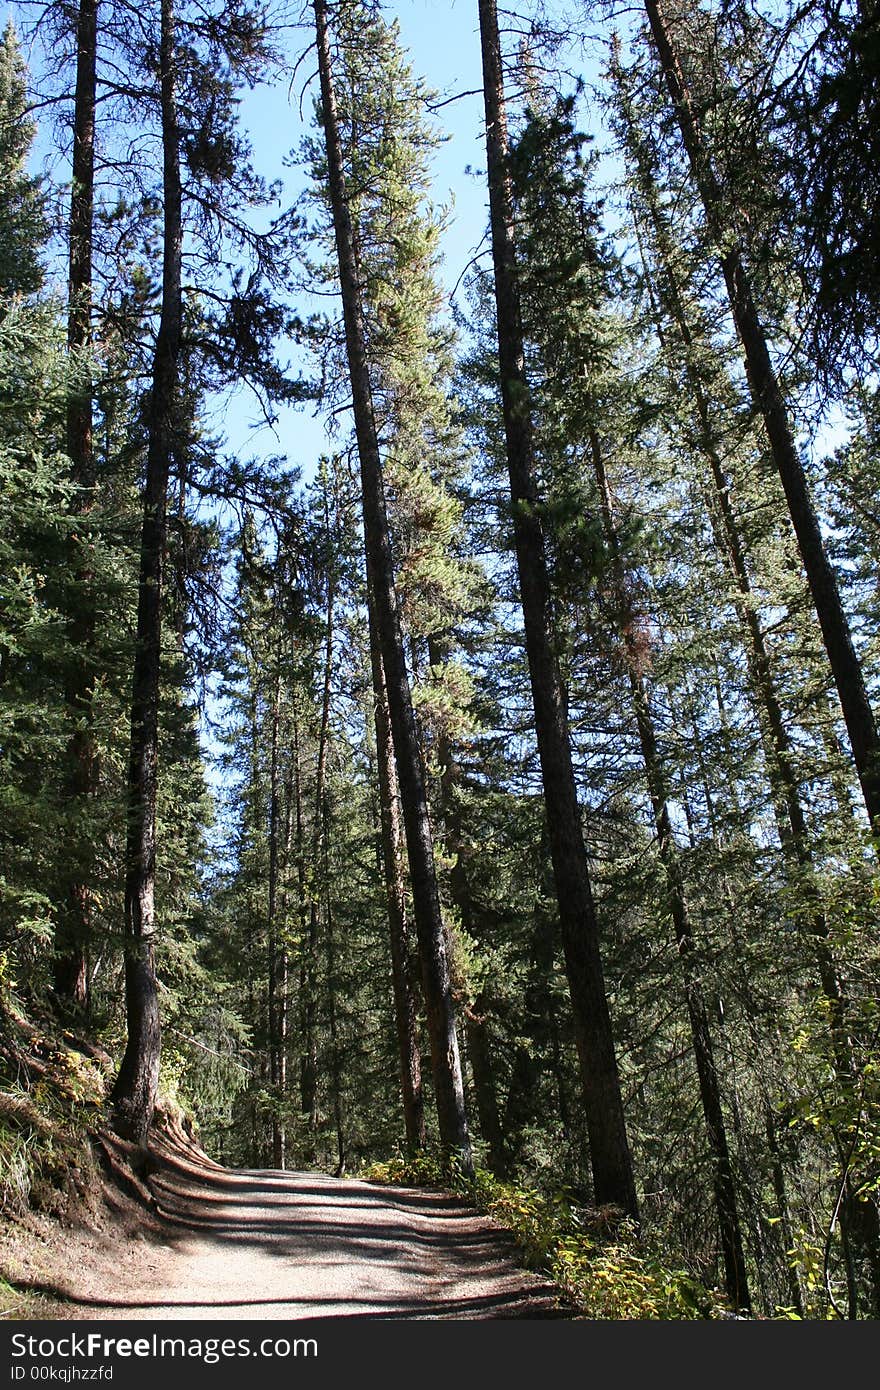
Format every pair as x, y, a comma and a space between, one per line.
273, 1245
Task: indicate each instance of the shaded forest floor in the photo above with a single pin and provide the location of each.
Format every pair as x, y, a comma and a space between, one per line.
92, 1228
194, 1240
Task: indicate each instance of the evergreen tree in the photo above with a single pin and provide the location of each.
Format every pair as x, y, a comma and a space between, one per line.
137, 1083
449, 1094
770, 401
609, 1149
196, 82
824, 107
23, 222
75, 924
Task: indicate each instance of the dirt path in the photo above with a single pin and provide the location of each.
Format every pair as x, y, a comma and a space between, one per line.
244, 1245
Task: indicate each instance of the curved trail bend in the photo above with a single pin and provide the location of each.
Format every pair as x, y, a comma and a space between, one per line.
281, 1245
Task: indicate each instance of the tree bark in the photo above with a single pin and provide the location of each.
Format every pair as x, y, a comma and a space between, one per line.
783, 1215
445, 1061
275, 953
134, 1093
403, 986
770, 402
282, 971
309, 1087
476, 1029
75, 922
308, 1060
335, 1051
609, 1148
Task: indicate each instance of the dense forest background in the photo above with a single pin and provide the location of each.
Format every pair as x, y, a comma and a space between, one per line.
495, 779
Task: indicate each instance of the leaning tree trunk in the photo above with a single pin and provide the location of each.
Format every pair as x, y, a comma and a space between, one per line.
770, 402
134, 1093
790, 817
439, 1004
609, 1148
75, 924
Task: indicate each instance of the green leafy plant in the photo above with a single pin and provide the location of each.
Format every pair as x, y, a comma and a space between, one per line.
598, 1260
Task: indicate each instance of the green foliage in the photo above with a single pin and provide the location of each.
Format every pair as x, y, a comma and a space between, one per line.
34, 646
417, 1170
829, 155
266, 595
597, 1261
51, 1102
23, 218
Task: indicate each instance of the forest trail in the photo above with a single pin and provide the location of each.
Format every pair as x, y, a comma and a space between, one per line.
260, 1244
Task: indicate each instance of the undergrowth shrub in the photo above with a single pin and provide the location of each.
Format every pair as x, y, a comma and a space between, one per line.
597, 1260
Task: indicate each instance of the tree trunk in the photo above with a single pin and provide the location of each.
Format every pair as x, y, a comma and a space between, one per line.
274, 1038
609, 1148
735, 1276
791, 821
445, 1061
134, 1092
308, 1068
543, 1053
310, 975
769, 401
780, 759
335, 1052
483, 1073
282, 973
75, 922
783, 1216
403, 985
476, 1029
